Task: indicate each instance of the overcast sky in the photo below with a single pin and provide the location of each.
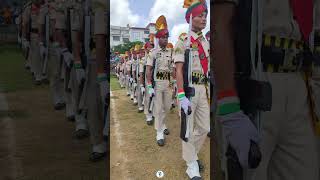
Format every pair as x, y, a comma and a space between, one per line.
139, 13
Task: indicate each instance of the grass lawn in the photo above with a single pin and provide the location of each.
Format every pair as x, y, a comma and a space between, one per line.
13, 75
114, 83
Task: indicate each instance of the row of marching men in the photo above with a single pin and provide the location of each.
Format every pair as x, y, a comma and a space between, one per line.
152, 75
60, 48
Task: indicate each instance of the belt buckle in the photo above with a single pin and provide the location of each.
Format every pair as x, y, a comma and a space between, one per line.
290, 61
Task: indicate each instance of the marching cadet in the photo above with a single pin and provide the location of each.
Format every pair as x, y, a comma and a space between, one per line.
56, 86
160, 62
121, 69
134, 74
140, 80
124, 68
173, 80
76, 68
18, 22
65, 57
288, 142
25, 41
148, 48
128, 68
97, 82
199, 119
35, 60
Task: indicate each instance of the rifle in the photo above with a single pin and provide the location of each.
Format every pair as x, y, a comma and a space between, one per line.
131, 77
187, 86
189, 93
46, 44
153, 77
174, 96
136, 76
144, 82
28, 36
254, 95
86, 36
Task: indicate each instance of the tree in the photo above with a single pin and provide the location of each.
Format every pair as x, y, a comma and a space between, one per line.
122, 48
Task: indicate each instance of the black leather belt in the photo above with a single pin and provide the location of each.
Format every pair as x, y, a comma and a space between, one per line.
281, 43
34, 30
199, 78
275, 54
163, 75
317, 43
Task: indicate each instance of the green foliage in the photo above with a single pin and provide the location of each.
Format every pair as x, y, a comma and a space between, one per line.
122, 48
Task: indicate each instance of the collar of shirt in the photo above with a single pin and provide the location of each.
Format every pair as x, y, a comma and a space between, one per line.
196, 35
163, 50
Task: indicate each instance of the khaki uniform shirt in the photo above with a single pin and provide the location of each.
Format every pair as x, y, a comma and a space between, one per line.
142, 63
61, 14
180, 48
99, 10
163, 60
128, 65
278, 18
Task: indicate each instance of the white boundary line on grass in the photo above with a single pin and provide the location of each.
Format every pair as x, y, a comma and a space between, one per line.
119, 140
8, 131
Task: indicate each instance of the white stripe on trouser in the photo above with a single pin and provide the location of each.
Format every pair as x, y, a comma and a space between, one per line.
139, 96
56, 85
80, 120
106, 123
35, 56
95, 107
199, 123
70, 109
146, 105
162, 104
127, 84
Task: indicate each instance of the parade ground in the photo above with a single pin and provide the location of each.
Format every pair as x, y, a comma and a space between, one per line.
36, 141
134, 153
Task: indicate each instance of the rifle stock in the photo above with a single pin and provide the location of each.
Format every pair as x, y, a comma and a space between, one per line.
46, 43
234, 168
189, 92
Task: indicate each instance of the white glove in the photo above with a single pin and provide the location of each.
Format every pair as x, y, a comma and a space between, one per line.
104, 86
150, 90
185, 104
67, 57
142, 89
25, 43
42, 49
80, 74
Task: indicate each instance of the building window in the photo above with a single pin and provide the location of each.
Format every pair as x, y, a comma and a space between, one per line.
116, 38
125, 40
146, 32
136, 36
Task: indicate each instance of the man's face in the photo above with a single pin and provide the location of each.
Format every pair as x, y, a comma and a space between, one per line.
200, 22
142, 53
134, 56
163, 41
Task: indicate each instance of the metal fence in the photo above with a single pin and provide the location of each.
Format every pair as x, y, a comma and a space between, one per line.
8, 33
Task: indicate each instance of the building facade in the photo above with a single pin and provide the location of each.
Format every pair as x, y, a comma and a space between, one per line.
120, 35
